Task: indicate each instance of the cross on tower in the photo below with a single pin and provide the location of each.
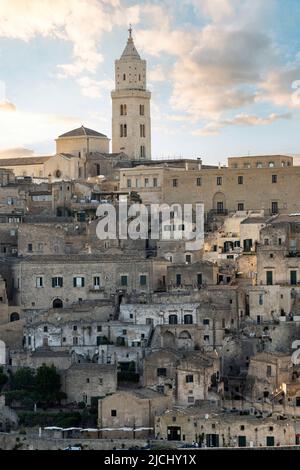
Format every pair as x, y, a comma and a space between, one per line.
130, 31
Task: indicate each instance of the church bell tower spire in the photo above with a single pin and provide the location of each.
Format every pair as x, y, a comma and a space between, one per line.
131, 121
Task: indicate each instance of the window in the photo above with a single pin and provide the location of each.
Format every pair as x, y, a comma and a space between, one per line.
271, 164
199, 279
188, 319
188, 259
178, 280
143, 151
189, 379
269, 371
29, 248
293, 278
143, 280
220, 207
124, 281
96, 282
219, 181
161, 372
261, 299
113, 413
269, 278
198, 181
142, 130
297, 401
274, 207
123, 130
78, 282
206, 321
57, 282
155, 182
45, 329
99, 328
274, 178
123, 110
142, 109
128, 183
75, 341
191, 399
240, 206
175, 183
124, 77
206, 338
87, 380
39, 282
146, 182
240, 180
173, 320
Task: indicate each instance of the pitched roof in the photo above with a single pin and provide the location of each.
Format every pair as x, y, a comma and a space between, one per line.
130, 50
82, 131
22, 161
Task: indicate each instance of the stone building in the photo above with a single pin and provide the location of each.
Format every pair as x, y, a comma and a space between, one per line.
130, 414
212, 427
89, 382
278, 252
131, 122
267, 372
221, 189
42, 282
192, 276
192, 376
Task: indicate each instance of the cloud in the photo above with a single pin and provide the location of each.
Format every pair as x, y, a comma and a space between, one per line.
282, 87
82, 22
213, 128
157, 74
16, 152
22, 128
95, 88
6, 106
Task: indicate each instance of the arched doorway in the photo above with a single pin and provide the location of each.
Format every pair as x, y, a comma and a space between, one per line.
57, 303
168, 340
185, 341
219, 203
14, 317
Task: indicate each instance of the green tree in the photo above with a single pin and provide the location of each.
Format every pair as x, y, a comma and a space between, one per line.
23, 379
48, 383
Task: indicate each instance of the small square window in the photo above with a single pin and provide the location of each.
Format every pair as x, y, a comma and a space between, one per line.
189, 379
113, 412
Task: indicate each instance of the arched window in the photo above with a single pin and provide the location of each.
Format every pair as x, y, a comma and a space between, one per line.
121, 110
188, 319
173, 319
57, 303
98, 169
14, 317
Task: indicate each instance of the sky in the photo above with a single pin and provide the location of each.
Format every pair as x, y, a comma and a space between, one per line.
224, 74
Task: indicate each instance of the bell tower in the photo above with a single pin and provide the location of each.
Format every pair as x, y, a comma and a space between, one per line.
131, 121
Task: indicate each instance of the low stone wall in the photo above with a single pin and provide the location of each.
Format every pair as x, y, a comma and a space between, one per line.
23, 442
